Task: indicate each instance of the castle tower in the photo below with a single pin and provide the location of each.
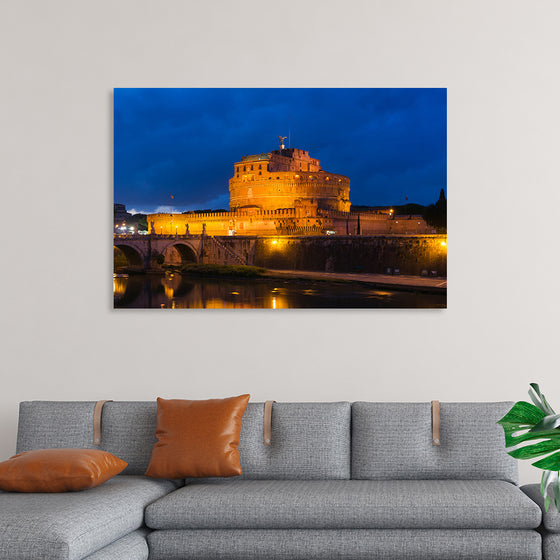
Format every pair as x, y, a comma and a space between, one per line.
286, 178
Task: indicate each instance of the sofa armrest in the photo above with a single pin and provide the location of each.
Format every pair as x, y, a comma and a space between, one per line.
551, 518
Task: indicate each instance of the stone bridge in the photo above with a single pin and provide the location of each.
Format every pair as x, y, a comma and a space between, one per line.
407, 254
151, 251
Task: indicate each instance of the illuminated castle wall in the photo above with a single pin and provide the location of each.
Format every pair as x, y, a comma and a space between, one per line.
286, 192
284, 177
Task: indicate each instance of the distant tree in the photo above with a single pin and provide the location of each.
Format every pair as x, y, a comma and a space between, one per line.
142, 222
436, 214
139, 221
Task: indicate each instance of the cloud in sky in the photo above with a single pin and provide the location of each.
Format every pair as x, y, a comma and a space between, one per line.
184, 142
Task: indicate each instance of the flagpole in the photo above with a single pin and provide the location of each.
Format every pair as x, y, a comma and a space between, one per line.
289, 129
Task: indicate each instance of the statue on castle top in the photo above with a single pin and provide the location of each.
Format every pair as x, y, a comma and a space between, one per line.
282, 138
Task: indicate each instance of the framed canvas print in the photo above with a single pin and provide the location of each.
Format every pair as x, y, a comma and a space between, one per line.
280, 198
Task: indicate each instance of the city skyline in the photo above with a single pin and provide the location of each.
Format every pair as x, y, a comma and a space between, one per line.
184, 142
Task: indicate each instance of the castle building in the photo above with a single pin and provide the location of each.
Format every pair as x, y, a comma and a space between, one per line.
286, 192
285, 178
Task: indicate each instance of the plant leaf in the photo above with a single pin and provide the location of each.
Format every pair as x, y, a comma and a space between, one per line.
545, 402
547, 423
539, 399
551, 478
522, 414
519, 420
556, 489
550, 463
547, 478
527, 436
536, 449
525, 422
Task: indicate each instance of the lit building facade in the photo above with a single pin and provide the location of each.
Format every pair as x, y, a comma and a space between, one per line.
286, 192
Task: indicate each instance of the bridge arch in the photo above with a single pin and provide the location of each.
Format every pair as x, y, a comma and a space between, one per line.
180, 252
133, 256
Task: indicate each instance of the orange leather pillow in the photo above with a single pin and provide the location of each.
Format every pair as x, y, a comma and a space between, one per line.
58, 470
197, 438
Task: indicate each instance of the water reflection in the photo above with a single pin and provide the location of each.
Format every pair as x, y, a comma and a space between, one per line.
182, 292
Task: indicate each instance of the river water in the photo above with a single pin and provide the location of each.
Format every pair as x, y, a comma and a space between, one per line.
188, 292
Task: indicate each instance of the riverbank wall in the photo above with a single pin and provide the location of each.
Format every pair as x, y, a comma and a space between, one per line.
416, 255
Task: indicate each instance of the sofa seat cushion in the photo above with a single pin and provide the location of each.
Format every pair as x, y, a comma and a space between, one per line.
73, 525
345, 504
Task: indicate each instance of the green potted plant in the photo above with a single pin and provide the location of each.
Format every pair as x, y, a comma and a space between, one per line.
534, 431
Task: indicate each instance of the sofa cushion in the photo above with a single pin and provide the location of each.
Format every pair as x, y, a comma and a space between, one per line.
72, 525
197, 438
130, 547
128, 430
51, 424
310, 441
345, 504
394, 441
356, 544
58, 470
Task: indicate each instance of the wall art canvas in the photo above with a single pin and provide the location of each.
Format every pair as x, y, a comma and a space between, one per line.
280, 198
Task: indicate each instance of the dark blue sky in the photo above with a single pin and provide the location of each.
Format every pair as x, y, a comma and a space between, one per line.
390, 142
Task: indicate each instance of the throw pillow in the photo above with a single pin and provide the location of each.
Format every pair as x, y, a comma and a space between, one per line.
197, 438
58, 470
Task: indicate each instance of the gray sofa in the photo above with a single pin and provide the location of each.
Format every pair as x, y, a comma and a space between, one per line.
339, 481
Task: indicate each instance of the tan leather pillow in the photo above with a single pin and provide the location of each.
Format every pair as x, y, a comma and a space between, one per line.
197, 438
58, 470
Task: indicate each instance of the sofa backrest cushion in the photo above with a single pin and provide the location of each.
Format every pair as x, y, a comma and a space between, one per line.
127, 428
394, 441
309, 440
46, 424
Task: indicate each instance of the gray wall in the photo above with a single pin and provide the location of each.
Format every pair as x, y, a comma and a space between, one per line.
60, 338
